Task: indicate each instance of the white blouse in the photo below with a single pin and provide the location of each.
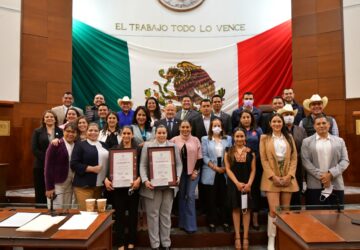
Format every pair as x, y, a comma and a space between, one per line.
280, 146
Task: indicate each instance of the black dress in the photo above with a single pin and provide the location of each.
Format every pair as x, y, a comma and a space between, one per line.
242, 172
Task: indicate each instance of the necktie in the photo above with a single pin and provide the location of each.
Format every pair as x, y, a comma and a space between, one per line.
170, 124
183, 114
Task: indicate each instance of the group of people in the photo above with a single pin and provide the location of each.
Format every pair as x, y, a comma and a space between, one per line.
231, 159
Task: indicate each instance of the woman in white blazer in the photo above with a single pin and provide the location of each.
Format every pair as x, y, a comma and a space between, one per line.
212, 175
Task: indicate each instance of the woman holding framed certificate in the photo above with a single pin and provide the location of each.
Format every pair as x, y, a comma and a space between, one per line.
160, 170
89, 161
191, 156
212, 175
124, 182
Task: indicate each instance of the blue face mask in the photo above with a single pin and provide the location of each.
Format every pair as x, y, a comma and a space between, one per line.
248, 103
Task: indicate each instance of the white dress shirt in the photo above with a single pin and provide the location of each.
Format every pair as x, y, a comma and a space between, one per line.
323, 150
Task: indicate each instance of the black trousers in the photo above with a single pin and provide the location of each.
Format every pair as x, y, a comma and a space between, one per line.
217, 210
39, 185
122, 202
334, 201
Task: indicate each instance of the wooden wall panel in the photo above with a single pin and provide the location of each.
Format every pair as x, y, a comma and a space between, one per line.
304, 46
324, 5
329, 21
330, 66
303, 7
330, 42
45, 75
305, 68
304, 25
305, 88
318, 23
33, 91
35, 19
333, 88
33, 57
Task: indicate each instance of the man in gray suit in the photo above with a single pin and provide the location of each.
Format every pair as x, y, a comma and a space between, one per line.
186, 112
217, 103
325, 158
67, 101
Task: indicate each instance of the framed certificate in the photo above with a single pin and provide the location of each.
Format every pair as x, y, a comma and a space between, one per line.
162, 166
123, 167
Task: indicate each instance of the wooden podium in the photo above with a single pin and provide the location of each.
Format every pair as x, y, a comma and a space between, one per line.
317, 229
97, 236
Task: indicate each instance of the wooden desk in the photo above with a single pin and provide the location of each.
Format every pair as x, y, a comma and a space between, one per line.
318, 229
97, 236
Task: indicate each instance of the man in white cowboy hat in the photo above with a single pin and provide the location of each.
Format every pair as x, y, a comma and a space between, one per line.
316, 105
126, 114
299, 134
325, 158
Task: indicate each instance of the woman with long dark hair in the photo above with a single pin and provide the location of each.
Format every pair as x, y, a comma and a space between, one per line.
41, 138
152, 105
110, 134
141, 126
240, 168
253, 133
123, 199
279, 158
190, 151
212, 175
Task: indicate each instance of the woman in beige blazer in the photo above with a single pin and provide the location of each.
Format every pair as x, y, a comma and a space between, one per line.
279, 158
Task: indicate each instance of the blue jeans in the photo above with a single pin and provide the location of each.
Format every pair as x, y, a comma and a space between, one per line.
186, 195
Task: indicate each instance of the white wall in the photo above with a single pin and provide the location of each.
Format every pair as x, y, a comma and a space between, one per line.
352, 47
256, 16
10, 22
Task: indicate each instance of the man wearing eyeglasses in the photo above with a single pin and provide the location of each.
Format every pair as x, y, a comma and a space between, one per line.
325, 158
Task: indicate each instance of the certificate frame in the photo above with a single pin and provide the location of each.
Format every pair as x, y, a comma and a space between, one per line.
167, 150
113, 167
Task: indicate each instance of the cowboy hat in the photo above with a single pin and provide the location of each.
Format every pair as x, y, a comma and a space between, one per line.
124, 99
315, 98
287, 109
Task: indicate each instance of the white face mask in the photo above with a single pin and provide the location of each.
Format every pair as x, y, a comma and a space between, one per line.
289, 119
216, 130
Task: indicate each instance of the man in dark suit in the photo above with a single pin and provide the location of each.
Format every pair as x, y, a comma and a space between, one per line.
277, 103
170, 122
217, 103
201, 124
248, 104
186, 112
288, 96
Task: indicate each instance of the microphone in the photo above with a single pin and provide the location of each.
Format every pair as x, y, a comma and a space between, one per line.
52, 211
